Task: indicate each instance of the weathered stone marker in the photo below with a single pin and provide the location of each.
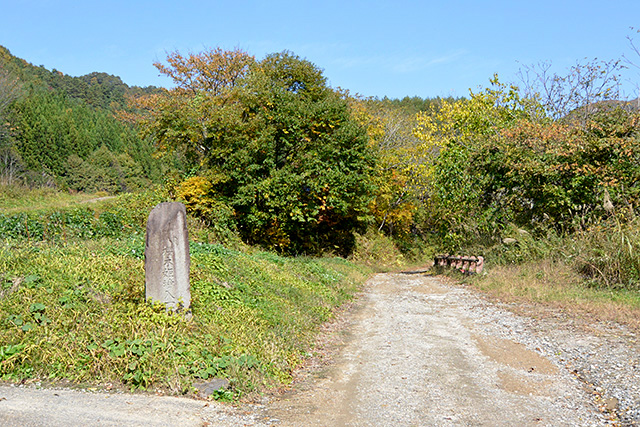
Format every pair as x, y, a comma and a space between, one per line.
166, 257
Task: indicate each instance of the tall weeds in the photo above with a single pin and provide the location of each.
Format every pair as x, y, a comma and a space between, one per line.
608, 254
605, 254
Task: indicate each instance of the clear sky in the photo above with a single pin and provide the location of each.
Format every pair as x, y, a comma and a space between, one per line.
374, 48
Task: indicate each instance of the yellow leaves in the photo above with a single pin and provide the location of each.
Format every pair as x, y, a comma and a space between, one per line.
430, 133
375, 131
214, 70
193, 191
393, 206
465, 121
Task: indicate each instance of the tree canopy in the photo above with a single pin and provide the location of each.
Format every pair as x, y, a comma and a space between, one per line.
506, 159
52, 127
278, 145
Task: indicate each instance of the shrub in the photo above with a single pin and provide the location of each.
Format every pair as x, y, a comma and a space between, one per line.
197, 196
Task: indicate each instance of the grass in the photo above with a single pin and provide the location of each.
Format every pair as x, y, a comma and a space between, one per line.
72, 305
14, 199
554, 283
592, 273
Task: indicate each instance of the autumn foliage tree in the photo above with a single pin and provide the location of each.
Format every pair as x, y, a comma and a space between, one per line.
195, 116
451, 139
504, 159
276, 144
397, 195
553, 175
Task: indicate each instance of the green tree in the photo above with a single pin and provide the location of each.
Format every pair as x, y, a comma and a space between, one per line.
277, 144
57, 116
501, 160
455, 180
10, 160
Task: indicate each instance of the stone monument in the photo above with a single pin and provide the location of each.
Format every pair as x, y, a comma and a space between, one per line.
166, 257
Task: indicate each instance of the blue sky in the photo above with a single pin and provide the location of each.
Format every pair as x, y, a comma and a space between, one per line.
374, 48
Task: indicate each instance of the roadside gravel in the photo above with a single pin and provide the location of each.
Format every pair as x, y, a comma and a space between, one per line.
603, 356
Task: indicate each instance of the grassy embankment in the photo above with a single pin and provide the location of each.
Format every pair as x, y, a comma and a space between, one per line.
16, 200
592, 274
72, 302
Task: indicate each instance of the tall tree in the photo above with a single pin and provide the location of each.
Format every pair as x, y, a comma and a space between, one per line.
194, 116
277, 144
10, 160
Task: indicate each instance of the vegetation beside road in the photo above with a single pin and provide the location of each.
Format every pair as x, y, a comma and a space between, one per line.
72, 304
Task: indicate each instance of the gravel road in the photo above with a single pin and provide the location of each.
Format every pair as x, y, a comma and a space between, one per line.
413, 351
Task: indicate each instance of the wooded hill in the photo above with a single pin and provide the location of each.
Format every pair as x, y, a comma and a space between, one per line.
271, 152
62, 131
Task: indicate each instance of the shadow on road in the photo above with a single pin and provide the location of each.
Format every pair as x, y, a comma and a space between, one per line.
427, 271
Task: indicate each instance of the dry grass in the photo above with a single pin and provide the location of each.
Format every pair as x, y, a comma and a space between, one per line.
553, 284
15, 199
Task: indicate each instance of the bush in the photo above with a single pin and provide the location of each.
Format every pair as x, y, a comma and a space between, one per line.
197, 196
498, 163
377, 250
518, 246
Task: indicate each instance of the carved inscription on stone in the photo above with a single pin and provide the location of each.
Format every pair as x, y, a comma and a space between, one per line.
167, 259
168, 274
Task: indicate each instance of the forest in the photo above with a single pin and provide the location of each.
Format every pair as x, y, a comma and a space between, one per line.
62, 131
265, 150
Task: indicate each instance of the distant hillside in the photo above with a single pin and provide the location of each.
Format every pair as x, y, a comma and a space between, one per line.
415, 104
60, 130
97, 89
602, 107
612, 104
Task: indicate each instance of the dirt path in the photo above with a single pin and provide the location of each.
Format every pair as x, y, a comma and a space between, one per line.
98, 199
420, 354
415, 352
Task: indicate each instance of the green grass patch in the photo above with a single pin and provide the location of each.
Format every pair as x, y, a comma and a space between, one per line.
15, 199
72, 306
